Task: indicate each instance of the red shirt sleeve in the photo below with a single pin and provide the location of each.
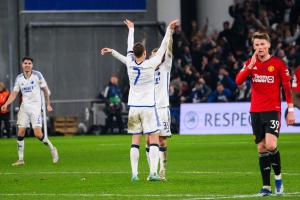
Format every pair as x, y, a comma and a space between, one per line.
286, 82
243, 74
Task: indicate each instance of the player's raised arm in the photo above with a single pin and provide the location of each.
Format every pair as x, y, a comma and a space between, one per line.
114, 53
156, 60
130, 40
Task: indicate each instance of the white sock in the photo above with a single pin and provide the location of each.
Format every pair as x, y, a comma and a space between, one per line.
147, 155
21, 145
154, 158
134, 159
278, 177
47, 142
163, 158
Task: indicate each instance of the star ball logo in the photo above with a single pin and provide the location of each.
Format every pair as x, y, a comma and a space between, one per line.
191, 119
271, 68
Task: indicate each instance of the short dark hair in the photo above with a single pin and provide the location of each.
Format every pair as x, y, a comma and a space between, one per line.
138, 49
259, 35
27, 58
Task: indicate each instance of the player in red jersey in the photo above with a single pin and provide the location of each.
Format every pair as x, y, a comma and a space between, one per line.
267, 74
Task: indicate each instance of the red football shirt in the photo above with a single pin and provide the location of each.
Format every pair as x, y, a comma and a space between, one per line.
266, 80
296, 80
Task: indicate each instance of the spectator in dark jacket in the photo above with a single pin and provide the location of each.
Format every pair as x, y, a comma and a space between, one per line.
221, 94
113, 105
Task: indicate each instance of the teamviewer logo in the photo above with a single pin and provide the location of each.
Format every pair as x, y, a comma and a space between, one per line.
191, 119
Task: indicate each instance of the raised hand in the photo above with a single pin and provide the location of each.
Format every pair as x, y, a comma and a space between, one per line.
49, 108
253, 59
173, 24
129, 23
106, 50
4, 108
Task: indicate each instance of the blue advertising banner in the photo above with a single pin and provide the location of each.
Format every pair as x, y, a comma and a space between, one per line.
48, 5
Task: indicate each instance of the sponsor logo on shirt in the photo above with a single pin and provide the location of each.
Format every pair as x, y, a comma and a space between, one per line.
263, 79
271, 68
27, 89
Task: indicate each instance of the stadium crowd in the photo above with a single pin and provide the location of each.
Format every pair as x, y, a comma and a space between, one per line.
205, 64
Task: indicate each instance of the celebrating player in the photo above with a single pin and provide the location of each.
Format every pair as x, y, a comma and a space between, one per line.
142, 117
30, 83
162, 80
267, 74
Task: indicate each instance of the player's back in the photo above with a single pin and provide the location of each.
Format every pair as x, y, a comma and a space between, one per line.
141, 78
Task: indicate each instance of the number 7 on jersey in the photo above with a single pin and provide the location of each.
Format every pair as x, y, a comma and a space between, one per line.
138, 74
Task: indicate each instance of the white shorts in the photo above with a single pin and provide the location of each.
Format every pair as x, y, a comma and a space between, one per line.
143, 120
30, 114
164, 119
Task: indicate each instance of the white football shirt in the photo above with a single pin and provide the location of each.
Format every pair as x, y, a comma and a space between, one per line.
162, 82
30, 88
141, 75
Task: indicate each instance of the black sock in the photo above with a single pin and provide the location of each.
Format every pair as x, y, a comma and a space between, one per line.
265, 167
275, 161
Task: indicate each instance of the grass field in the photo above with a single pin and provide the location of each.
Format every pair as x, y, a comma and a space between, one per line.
98, 167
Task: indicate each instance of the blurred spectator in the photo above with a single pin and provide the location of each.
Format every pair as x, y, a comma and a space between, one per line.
186, 56
225, 79
221, 94
243, 92
200, 92
4, 115
113, 105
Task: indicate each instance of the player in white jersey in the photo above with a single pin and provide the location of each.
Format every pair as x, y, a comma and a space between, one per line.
31, 84
142, 117
162, 82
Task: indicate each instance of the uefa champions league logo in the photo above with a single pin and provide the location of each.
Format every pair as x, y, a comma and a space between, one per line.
191, 120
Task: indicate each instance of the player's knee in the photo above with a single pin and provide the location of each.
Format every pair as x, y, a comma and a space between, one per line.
261, 148
162, 142
271, 146
21, 132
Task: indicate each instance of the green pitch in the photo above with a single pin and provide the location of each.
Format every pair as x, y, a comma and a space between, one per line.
98, 167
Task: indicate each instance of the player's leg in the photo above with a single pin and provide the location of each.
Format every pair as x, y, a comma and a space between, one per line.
153, 156
151, 127
163, 156
36, 121
271, 145
40, 135
23, 122
263, 154
134, 128
147, 149
272, 135
134, 156
21, 146
265, 168
165, 121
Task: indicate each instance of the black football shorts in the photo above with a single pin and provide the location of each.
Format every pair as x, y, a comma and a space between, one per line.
265, 122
